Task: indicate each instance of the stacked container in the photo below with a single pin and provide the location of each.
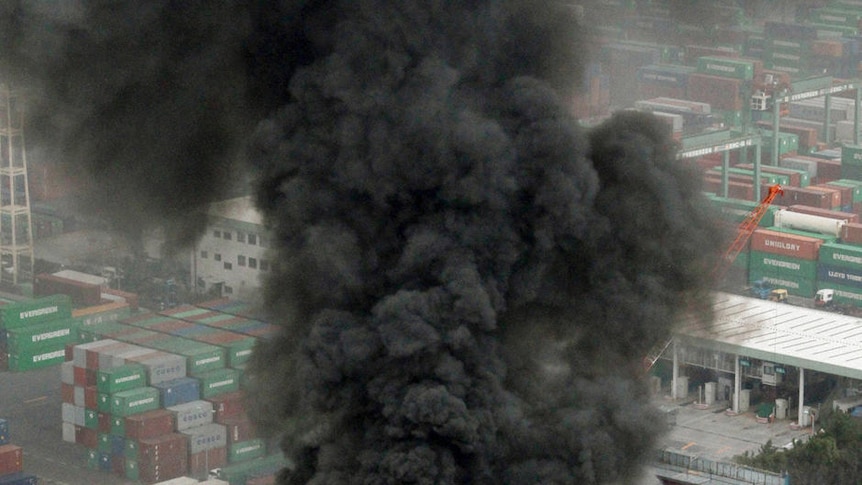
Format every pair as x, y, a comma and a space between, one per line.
12, 460
840, 268
786, 259
34, 333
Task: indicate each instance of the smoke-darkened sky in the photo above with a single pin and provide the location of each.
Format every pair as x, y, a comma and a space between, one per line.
467, 279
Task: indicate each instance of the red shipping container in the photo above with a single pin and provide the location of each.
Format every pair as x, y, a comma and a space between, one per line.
805, 196
87, 436
131, 298
67, 393
164, 448
105, 423
846, 194
170, 326
11, 459
159, 472
82, 294
149, 424
720, 92
239, 428
228, 405
786, 244
851, 233
804, 209
795, 178
80, 375
827, 48
828, 171
834, 194
201, 463
118, 465
735, 190
70, 351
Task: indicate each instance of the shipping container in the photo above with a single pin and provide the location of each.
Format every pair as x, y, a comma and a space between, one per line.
192, 414
854, 185
133, 401
784, 243
162, 366
841, 255
833, 192
246, 450
719, 92
23, 313
205, 437
796, 178
179, 391
37, 358
726, 67
150, 424
121, 378
776, 264
239, 428
219, 381
11, 459
844, 295
201, 463
843, 276
200, 357
804, 287
228, 405
105, 312
81, 293
805, 221
239, 473
4, 431
61, 331
803, 164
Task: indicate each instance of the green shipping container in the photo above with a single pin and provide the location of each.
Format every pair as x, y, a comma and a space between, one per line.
218, 381
130, 449
841, 255
851, 155
855, 184
93, 459
787, 142
103, 402
58, 332
845, 295
131, 469
20, 314
741, 260
200, 357
134, 401
246, 450
91, 419
239, 473
795, 286
118, 425
104, 443
779, 265
726, 67
823, 237
122, 378
37, 358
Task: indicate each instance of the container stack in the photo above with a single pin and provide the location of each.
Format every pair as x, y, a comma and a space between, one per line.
33, 334
786, 259
12, 460
155, 397
840, 268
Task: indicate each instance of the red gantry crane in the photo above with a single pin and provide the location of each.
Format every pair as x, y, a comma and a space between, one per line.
743, 234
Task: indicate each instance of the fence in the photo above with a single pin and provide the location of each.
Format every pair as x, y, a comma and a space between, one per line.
719, 471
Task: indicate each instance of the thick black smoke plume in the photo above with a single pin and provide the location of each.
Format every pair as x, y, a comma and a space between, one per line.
468, 281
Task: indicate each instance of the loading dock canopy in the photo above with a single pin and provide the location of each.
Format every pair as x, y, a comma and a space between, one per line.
781, 333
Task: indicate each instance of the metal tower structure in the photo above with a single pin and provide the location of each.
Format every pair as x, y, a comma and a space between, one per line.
16, 233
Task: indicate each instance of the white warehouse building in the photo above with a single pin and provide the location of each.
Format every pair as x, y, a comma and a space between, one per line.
230, 257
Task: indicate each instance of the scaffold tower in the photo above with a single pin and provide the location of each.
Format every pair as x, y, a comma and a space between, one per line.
16, 233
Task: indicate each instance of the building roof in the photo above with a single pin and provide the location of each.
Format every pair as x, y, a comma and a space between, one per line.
781, 333
238, 209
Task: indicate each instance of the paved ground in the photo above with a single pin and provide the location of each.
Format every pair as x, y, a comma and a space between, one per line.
712, 434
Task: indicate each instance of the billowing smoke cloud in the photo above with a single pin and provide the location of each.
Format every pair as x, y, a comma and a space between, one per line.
468, 280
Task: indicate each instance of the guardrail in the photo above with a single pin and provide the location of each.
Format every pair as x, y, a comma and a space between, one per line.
718, 471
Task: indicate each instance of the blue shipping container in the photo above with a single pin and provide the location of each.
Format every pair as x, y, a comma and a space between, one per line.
4, 432
839, 275
19, 478
118, 445
179, 391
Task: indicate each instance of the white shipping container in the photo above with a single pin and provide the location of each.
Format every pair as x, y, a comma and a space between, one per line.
192, 414
206, 437
67, 372
164, 367
79, 352
79, 399
124, 357
674, 120
67, 412
806, 222
809, 166
69, 432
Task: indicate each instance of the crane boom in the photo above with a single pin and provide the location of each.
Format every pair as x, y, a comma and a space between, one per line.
743, 234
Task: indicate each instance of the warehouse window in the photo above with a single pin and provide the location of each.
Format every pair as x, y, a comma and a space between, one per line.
227, 235
240, 237
228, 265
240, 260
203, 255
228, 290
264, 265
217, 257
252, 239
252, 263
